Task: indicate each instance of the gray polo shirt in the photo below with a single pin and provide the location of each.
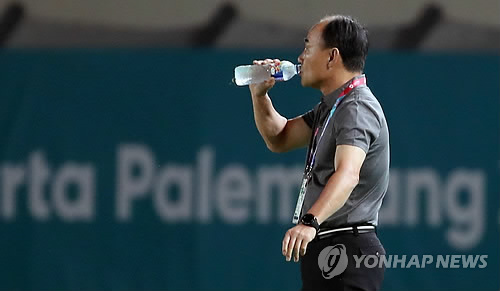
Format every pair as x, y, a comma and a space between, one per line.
358, 121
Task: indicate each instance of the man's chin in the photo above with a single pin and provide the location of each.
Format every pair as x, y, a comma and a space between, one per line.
304, 82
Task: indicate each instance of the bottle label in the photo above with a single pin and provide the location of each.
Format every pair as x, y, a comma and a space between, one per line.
277, 73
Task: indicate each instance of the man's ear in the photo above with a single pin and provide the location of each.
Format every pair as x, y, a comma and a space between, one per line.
334, 56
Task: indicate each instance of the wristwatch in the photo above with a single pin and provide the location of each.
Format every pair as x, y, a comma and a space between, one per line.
310, 220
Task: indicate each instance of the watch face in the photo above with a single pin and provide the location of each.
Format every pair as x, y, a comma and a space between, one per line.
308, 218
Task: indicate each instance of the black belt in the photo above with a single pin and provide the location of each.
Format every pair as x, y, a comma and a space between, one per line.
357, 229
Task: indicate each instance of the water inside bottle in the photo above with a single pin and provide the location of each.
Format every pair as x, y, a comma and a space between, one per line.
245, 75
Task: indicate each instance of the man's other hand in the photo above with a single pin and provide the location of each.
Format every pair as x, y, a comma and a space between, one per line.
296, 240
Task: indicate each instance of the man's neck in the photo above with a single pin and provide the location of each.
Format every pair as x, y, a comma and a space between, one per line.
339, 79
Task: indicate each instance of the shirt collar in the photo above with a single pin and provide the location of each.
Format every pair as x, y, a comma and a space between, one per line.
332, 97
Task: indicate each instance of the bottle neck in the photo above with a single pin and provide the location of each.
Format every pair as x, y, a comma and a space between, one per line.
297, 68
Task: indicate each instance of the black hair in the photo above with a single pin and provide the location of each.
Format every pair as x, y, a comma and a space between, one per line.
351, 39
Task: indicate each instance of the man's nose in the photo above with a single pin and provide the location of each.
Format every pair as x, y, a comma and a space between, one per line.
299, 59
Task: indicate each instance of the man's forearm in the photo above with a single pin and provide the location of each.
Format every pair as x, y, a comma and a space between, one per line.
268, 121
334, 195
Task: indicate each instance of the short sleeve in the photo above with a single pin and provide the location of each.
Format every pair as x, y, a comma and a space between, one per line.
310, 115
356, 123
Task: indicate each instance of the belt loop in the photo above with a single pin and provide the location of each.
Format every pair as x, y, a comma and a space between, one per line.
355, 229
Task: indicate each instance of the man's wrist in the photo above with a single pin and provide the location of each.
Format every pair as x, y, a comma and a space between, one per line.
309, 219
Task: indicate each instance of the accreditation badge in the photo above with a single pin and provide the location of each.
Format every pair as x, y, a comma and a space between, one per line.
300, 199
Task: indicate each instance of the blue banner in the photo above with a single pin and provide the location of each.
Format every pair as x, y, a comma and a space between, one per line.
143, 170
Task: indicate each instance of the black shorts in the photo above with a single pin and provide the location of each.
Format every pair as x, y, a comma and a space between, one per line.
353, 277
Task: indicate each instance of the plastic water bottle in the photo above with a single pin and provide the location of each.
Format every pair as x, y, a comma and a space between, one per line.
251, 74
